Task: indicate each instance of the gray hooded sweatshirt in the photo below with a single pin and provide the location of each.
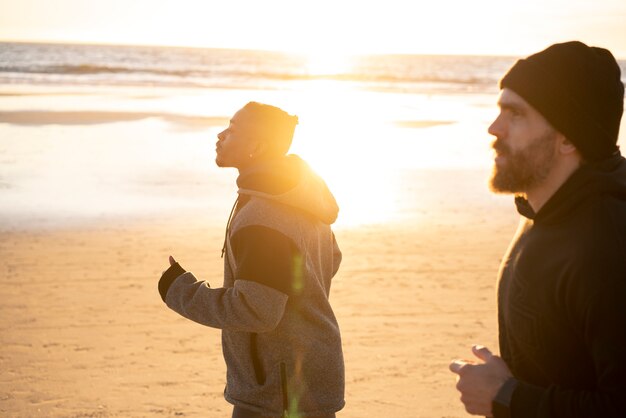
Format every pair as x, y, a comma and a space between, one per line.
280, 338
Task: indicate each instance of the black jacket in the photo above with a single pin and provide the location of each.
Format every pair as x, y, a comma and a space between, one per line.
562, 299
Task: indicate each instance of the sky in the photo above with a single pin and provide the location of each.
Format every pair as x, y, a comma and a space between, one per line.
317, 27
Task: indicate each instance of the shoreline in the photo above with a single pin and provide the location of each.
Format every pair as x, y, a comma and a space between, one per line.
47, 117
418, 197
33, 118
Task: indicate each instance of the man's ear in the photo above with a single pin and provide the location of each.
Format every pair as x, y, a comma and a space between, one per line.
566, 146
259, 148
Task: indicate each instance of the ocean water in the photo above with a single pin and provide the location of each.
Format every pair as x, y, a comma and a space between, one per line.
95, 132
22, 63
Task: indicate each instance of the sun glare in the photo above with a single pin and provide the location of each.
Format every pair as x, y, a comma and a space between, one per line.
340, 146
328, 63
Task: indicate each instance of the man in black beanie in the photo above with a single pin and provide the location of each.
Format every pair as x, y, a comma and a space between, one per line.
562, 283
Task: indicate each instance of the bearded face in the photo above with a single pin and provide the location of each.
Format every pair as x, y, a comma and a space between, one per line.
517, 171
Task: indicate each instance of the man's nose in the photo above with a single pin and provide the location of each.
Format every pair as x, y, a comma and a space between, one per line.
496, 128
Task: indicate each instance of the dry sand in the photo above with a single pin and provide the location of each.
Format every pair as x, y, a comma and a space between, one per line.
85, 334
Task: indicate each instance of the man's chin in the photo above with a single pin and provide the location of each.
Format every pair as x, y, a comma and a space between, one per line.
499, 183
223, 164
497, 189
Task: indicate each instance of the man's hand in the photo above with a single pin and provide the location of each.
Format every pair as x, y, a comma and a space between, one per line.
479, 383
172, 262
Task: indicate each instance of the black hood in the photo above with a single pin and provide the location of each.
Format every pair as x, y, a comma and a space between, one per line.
592, 180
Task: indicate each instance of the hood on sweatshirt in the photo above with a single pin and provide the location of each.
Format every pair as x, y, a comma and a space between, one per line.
591, 180
290, 181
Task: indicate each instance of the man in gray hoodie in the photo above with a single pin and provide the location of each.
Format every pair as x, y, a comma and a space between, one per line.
280, 338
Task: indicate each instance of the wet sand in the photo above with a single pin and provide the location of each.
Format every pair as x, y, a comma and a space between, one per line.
38, 118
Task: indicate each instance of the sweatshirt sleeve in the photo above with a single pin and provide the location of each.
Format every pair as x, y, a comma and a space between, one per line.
603, 328
268, 257
168, 277
247, 306
266, 275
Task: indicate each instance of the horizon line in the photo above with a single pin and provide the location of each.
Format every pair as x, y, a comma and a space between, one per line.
270, 50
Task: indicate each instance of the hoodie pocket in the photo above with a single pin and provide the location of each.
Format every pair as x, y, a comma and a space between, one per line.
259, 373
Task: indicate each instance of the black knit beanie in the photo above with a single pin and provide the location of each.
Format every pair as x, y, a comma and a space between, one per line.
577, 88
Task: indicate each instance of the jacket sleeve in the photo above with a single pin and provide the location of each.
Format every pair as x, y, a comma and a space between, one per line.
603, 328
168, 277
265, 277
247, 306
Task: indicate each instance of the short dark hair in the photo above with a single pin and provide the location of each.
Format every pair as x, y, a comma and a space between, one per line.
274, 126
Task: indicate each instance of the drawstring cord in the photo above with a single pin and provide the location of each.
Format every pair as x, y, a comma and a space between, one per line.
230, 219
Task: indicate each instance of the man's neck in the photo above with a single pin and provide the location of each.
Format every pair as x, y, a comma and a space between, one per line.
257, 162
540, 194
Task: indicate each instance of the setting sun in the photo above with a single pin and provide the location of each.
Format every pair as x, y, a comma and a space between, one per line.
322, 63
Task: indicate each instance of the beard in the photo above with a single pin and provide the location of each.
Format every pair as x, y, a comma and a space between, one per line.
526, 168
